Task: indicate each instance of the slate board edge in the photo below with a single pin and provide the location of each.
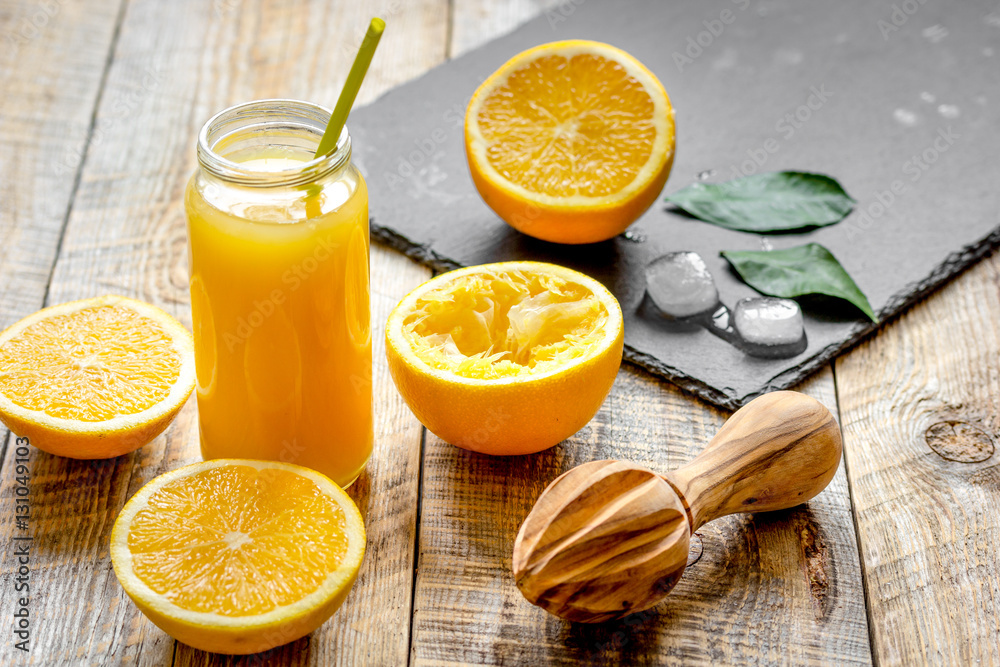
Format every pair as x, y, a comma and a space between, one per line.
953, 264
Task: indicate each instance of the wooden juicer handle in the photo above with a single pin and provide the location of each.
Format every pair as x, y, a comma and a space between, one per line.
776, 452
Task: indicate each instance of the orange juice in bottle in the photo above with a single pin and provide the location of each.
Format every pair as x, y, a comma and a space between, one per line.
278, 250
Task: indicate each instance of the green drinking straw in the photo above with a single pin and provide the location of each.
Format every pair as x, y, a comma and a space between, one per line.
357, 74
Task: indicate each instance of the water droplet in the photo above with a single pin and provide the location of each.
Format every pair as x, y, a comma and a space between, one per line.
705, 175
634, 237
727, 60
788, 57
905, 117
949, 111
935, 33
927, 97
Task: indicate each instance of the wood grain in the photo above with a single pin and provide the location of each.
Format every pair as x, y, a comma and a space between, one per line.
52, 59
53, 56
777, 451
920, 413
175, 65
604, 540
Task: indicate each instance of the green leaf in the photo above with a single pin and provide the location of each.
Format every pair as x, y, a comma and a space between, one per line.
779, 201
805, 269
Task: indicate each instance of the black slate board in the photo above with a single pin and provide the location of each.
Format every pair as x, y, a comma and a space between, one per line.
885, 87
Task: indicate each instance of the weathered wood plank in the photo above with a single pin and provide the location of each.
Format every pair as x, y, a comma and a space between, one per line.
921, 415
772, 588
176, 64
53, 56
776, 588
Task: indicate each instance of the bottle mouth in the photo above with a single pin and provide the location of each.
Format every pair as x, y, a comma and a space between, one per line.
278, 127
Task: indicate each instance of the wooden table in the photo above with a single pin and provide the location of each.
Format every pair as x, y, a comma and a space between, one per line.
895, 563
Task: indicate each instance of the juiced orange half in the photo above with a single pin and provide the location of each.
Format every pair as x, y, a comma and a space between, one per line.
506, 358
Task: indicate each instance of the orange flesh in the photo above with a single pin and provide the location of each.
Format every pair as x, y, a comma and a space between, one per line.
237, 541
583, 124
91, 365
495, 325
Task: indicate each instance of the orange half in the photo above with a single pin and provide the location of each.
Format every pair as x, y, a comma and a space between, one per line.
570, 141
238, 556
94, 378
506, 358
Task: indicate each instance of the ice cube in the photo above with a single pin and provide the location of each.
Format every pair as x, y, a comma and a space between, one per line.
680, 285
770, 327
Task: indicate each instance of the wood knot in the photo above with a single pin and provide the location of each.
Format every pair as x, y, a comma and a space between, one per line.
959, 441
